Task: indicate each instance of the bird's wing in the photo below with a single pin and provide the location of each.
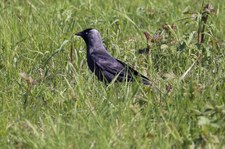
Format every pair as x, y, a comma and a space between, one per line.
111, 65
115, 67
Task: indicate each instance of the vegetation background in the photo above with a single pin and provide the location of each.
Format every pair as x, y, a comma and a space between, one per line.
50, 99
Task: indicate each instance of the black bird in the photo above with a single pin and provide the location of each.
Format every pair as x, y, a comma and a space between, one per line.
106, 67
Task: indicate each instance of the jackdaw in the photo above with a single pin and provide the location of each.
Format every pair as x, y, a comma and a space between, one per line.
106, 67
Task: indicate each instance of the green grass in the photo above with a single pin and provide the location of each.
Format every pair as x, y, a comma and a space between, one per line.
69, 108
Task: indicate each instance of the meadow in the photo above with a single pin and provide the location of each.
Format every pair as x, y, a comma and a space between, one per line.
50, 99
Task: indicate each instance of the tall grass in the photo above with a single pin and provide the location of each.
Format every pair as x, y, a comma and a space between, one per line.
49, 100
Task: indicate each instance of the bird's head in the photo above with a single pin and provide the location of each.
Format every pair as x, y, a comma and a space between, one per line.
91, 36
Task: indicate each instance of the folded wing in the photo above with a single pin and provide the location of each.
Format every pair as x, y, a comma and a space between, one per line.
111, 67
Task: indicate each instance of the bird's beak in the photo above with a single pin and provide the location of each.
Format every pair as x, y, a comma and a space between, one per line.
79, 34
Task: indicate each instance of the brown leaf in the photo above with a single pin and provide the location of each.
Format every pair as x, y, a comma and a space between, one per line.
147, 36
209, 8
168, 26
148, 39
169, 88
27, 78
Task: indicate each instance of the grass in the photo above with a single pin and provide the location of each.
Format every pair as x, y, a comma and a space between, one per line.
49, 100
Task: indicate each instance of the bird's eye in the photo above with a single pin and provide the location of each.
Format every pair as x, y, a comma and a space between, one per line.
86, 33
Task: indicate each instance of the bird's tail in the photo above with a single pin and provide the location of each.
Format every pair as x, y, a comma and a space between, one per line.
132, 71
146, 81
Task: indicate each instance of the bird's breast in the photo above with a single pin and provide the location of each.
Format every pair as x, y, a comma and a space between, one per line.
90, 62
